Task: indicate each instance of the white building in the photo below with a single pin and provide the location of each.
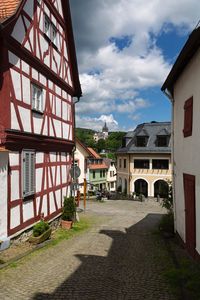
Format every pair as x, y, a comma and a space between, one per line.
38, 80
183, 88
111, 175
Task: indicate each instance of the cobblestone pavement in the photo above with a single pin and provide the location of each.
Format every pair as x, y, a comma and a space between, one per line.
116, 259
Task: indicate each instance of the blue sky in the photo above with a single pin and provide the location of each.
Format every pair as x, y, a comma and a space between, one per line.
125, 50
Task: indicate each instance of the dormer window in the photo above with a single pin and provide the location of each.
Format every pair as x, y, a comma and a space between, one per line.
162, 141
141, 141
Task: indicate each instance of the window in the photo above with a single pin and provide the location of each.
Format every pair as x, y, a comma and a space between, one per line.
104, 173
120, 163
124, 163
142, 141
162, 164
37, 98
50, 30
47, 27
141, 163
162, 141
188, 117
112, 185
54, 35
111, 173
93, 174
100, 173
28, 173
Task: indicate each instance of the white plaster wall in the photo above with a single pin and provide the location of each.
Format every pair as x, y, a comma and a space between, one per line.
44, 206
39, 157
15, 185
28, 211
38, 179
14, 158
52, 203
25, 115
28, 8
16, 84
15, 217
3, 193
14, 121
58, 198
186, 150
13, 59
19, 30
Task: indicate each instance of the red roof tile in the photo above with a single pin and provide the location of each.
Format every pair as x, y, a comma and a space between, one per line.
97, 166
96, 155
8, 8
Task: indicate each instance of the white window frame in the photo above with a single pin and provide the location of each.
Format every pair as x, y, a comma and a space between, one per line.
37, 98
28, 172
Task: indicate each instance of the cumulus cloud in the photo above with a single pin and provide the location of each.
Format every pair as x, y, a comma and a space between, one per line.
97, 123
113, 73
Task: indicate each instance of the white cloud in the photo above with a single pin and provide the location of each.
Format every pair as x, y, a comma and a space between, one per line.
107, 74
97, 123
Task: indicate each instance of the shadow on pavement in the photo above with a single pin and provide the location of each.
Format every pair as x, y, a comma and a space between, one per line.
130, 270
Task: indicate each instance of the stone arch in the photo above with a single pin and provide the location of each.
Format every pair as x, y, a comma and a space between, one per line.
141, 187
161, 188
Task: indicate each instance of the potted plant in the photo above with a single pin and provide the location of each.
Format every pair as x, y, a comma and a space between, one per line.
68, 214
41, 232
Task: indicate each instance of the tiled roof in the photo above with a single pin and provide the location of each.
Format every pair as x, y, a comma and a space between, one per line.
97, 166
153, 129
8, 8
96, 155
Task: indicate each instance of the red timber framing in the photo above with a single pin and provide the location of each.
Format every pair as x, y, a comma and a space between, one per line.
49, 132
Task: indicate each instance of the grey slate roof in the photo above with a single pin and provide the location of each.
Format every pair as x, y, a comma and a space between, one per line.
152, 130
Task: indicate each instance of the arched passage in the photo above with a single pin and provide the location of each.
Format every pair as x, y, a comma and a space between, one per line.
141, 187
125, 186
119, 187
161, 188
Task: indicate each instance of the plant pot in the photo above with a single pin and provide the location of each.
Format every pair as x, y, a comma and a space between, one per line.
41, 238
66, 224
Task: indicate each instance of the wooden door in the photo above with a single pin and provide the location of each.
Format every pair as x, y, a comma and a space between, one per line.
190, 213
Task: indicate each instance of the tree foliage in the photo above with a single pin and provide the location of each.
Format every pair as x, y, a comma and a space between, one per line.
111, 144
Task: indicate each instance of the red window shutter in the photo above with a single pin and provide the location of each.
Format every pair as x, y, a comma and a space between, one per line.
188, 117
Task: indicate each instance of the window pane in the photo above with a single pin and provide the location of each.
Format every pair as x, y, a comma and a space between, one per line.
141, 163
162, 164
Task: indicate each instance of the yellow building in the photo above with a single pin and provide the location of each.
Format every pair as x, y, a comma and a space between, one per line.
144, 160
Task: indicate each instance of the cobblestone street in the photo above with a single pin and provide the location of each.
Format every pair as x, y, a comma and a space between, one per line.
118, 258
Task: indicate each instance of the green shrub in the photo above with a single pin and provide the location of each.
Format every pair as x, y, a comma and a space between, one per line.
69, 209
40, 228
167, 223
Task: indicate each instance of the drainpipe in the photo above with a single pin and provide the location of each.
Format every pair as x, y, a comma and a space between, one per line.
170, 97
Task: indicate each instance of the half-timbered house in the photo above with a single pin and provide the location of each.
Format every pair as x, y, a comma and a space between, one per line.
38, 81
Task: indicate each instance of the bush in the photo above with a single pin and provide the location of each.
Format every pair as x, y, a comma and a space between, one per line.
167, 223
40, 228
69, 209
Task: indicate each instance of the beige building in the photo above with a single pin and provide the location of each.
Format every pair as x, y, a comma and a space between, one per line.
144, 160
183, 88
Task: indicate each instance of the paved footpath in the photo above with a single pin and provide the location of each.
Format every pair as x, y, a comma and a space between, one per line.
116, 259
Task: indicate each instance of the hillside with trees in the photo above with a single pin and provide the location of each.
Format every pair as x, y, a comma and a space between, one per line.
111, 144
